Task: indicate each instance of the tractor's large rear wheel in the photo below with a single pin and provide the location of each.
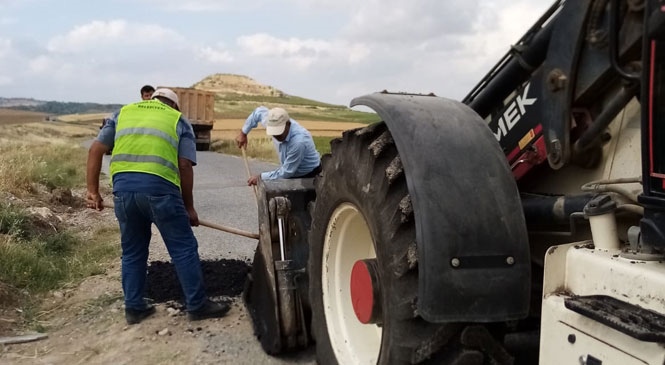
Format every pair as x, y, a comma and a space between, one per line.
363, 264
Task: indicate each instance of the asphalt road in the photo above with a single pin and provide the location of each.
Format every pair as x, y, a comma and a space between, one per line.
221, 196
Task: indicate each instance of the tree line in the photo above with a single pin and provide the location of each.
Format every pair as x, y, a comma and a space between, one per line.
62, 108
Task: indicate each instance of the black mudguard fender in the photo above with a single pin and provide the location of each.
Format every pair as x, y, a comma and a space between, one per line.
473, 251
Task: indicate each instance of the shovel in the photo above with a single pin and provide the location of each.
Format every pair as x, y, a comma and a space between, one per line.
214, 226
249, 174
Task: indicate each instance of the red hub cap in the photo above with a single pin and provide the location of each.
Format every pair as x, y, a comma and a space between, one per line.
365, 291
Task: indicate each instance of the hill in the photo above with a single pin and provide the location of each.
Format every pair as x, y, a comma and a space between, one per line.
62, 108
229, 84
237, 96
14, 102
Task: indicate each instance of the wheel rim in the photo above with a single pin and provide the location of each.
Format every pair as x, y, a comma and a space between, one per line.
347, 240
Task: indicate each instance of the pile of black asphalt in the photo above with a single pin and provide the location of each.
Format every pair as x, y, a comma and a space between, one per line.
223, 278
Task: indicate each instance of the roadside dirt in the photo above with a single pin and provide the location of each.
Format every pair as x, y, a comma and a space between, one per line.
85, 324
88, 327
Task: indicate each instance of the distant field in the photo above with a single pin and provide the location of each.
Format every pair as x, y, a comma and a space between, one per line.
11, 116
228, 128
42, 132
95, 117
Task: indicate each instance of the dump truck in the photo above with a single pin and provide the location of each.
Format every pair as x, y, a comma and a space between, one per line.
198, 106
523, 224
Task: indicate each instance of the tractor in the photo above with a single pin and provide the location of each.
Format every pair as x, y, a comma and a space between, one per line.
522, 224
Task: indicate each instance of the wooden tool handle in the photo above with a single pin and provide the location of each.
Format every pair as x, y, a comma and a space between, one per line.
229, 229
249, 174
213, 225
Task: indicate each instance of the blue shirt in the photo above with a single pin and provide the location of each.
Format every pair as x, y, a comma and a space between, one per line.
148, 183
297, 154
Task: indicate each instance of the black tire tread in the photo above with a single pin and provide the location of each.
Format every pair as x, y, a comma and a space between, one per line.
365, 163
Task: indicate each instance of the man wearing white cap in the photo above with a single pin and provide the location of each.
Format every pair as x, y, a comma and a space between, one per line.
151, 167
297, 153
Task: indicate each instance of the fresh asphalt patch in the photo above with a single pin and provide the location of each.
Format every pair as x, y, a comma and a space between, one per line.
223, 278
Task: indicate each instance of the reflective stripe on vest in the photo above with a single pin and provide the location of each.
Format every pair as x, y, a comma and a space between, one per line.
146, 141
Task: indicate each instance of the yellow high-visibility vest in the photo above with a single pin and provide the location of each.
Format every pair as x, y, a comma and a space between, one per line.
146, 140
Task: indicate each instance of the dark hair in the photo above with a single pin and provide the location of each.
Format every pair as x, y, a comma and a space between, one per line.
147, 89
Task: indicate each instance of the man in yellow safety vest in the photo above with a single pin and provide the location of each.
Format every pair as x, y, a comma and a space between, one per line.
154, 151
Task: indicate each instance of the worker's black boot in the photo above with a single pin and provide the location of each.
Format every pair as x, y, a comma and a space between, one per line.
134, 316
209, 310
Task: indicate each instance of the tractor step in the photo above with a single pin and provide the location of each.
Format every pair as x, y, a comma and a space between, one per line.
629, 319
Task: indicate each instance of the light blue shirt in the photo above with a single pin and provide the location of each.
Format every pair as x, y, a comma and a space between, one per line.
148, 183
297, 154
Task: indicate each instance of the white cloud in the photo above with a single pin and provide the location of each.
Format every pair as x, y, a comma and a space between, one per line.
97, 61
41, 64
396, 21
437, 46
7, 21
422, 46
302, 53
98, 33
326, 5
8, 61
215, 54
7, 3
5, 47
204, 5
265, 45
520, 10
356, 52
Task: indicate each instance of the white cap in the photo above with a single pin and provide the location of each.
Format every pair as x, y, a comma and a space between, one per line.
166, 93
277, 118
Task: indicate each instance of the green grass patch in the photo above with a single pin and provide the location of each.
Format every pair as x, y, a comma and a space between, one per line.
336, 115
239, 106
14, 222
267, 99
323, 144
61, 168
39, 261
35, 265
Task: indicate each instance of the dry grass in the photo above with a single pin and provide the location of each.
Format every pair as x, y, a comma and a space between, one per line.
50, 165
45, 132
261, 147
11, 116
84, 118
47, 153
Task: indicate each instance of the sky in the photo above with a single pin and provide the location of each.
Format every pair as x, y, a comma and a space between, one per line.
327, 50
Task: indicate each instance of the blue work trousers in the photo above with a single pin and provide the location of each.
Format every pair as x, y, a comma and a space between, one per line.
136, 212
